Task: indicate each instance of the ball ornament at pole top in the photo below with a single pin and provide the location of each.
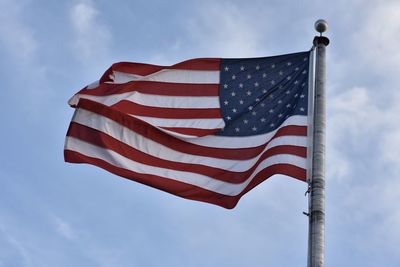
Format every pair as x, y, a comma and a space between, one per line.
321, 26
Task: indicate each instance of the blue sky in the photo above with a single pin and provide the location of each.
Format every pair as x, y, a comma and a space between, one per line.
58, 214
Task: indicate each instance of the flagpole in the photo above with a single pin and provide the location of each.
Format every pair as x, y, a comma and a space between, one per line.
316, 230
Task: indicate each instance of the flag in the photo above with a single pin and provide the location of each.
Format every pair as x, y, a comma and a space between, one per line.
206, 129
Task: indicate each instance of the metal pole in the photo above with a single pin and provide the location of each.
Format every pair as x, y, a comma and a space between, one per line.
316, 234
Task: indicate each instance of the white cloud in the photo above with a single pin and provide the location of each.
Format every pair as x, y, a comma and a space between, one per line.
353, 121
338, 165
15, 35
390, 145
390, 213
379, 37
361, 135
364, 163
362, 118
92, 38
223, 29
64, 229
19, 247
24, 66
350, 111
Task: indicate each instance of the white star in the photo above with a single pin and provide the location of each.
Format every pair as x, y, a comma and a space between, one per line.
289, 63
305, 59
304, 84
271, 96
254, 113
234, 110
226, 68
262, 119
237, 129
264, 75
250, 107
228, 118
279, 101
272, 125
281, 73
233, 77
254, 128
288, 92
288, 105
248, 92
257, 100
273, 66
302, 96
289, 77
296, 69
304, 72
245, 121
242, 68
241, 102
272, 82
296, 82
233, 93
248, 76
256, 84
296, 95
241, 85
257, 67
271, 111
302, 109
280, 115
264, 91
262, 104
226, 102
225, 86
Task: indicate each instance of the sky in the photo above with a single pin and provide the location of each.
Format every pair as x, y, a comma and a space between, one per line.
58, 214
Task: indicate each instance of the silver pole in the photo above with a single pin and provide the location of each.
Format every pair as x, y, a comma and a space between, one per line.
316, 230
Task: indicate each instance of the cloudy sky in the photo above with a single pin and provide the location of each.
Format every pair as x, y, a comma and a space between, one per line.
58, 214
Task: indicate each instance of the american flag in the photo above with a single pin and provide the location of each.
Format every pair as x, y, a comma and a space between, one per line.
204, 129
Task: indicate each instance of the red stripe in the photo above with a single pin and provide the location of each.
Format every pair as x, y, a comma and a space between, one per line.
198, 64
186, 190
154, 88
100, 139
147, 69
170, 113
284, 169
158, 136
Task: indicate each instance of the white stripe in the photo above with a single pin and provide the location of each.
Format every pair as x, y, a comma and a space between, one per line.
176, 134
93, 85
160, 151
171, 76
250, 141
153, 100
199, 180
185, 123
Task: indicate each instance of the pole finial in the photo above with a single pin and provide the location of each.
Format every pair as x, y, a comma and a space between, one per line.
321, 26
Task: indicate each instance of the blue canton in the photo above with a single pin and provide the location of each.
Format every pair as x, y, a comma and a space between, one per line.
258, 94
